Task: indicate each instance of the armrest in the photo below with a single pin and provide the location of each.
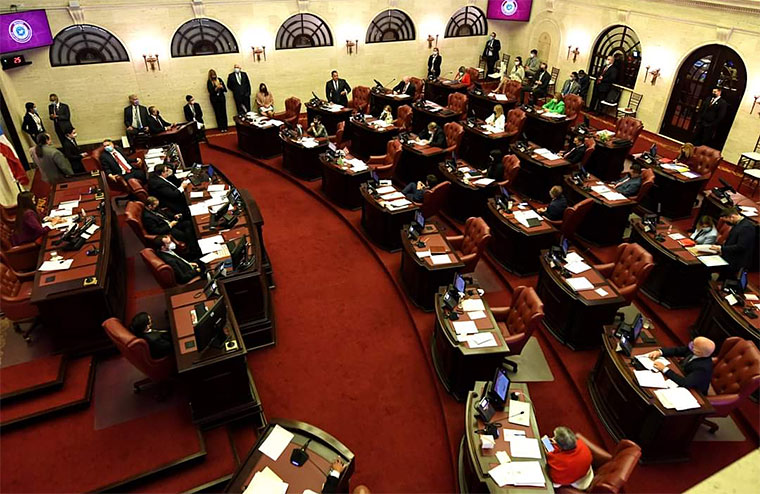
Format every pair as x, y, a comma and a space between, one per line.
554, 223
500, 313
25, 275
513, 340
377, 160
456, 241
605, 269
723, 400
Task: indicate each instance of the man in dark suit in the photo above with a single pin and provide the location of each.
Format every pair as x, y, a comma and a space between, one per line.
491, 52
696, 363
61, 117
194, 113
434, 135
539, 87
333, 477
114, 162
584, 82
630, 185
712, 114
156, 123
405, 87
135, 118
32, 123
172, 196
604, 81
557, 206
156, 222
240, 85
575, 154
71, 151
184, 270
415, 191
495, 169
434, 64
337, 89
740, 244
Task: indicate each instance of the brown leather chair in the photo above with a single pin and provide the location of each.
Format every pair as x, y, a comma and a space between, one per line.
736, 375
133, 213
724, 228
573, 106
291, 113
630, 269
511, 169
474, 75
647, 181
472, 243
15, 295
22, 257
137, 352
162, 272
404, 118
704, 160
590, 143
457, 102
518, 321
434, 199
512, 89
572, 218
338, 137
611, 471
360, 99
453, 132
384, 164
137, 190
628, 128
419, 87
8, 214
515, 123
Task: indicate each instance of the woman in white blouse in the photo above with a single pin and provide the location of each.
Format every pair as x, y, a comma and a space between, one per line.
705, 233
497, 120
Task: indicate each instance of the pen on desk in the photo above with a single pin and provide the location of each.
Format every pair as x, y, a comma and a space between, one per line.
517, 414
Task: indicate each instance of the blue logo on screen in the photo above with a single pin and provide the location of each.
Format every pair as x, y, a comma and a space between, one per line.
20, 31
509, 7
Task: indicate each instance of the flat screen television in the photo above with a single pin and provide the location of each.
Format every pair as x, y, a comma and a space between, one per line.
509, 10
24, 31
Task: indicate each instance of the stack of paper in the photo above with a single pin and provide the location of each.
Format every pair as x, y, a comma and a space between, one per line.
437, 259
678, 398
545, 153
481, 340
56, 265
392, 196
154, 153
464, 327
519, 413
525, 447
600, 189
528, 473
386, 189
500, 97
613, 196
580, 283
399, 203
472, 304
648, 363
712, 261
748, 211
309, 142
198, 209
690, 174
266, 482
577, 267
276, 442
649, 379
524, 216
356, 164
211, 244
484, 181
573, 257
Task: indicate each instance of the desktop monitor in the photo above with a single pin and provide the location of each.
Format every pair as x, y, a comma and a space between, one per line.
653, 150
233, 196
459, 284
638, 325
375, 177
24, 31
504, 193
499, 391
210, 171
331, 146
743, 279
238, 251
564, 244
419, 220
509, 10
209, 330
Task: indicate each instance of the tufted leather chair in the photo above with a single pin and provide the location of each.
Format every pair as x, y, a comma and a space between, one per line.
117, 186
15, 295
338, 137
22, 257
515, 123
647, 181
630, 269
590, 147
572, 218
458, 103
511, 168
8, 214
137, 190
704, 160
162, 272
453, 132
474, 74
611, 471
573, 105
518, 321
386, 163
736, 375
472, 244
628, 128
404, 118
291, 113
512, 89
434, 199
419, 87
133, 213
137, 352
724, 228
360, 99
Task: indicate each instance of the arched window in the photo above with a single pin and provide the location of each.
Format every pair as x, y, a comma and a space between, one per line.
303, 31
202, 37
390, 25
622, 43
86, 44
467, 21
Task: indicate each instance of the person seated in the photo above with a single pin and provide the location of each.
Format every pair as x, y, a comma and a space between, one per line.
387, 114
630, 185
405, 87
533, 64
696, 363
538, 88
584, 82
415, 191
184, 270
433, 135
556, 104
739, 245
156, 222
705, 233
156, 123
575, 154
516, 74
684, 154
159, 340
570, 462
265, 101
571, 85
462, 76
495, 170
557, 206
169, 194
136, 118
497, 120
114, 163
316, 129
333, 477
28, 225
71, 150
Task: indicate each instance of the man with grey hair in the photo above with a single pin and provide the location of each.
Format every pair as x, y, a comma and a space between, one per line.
570, 461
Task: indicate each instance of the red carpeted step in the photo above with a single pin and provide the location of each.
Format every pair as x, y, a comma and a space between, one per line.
17, 381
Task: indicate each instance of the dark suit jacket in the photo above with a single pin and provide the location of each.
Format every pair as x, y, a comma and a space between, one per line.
542, 81
496, 171
198, 113
334, 95
155, 223
630, 187
713, 114
697, 371
183, 271
585, 82
143, 115
167, 194
438, 139
605, 81
30, 126
63, 121
159, 343
213, 94
109, 164
72, 153
434, 67
739, 245
400, 88
242, 90
331, 484
157, 124
495, 48
575, 155
556, 208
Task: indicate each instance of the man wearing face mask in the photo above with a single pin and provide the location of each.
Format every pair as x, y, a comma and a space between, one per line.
156, 222
712, 114
571, 85
114, 162
61, 117
135, 118
240, 85
170, 195
539, 87
740, 244
696, 363
71, 151
532, 65
184, 270
604, 81
434, 64
32, 123
491, 52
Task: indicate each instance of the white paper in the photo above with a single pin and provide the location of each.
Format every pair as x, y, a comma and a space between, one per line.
266, 482
580, 283
510, 434
731, 299
218, 187
577, 267
386, 190
276, 442
525, 447
751, 296
92, 229
400, 203
501, 474
423, 253
600, 189
614, 196
676, 236
484, 181
211, 244
472, 305
60, 212
678, 398
56, 265
69, 204
440, 259
478, 314
519, 413
501, 97
649, 363
690, 174
602, 292
464, 327
503, 457
392, 196
573, 257
649, 379
198, 209
481, 340
196, 195
487, 442
712, 261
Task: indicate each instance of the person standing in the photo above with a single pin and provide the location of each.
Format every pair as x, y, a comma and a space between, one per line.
337, 89
710, 118
584, 82
240, 86
604, 81
71, 151
60, 114
53, 164
216, 90
194, 113
491, 52
434, 64
32, 123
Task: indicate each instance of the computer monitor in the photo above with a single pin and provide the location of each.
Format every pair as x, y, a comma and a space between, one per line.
210, 171
743, 279
564, 244
332, 147
653, 150
233, 195
459, 284
454, 158
504, 193
375, 177
238, 251
499, 391
638, 325
419, 220
209, 330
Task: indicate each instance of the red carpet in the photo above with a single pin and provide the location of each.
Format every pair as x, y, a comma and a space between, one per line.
15, 379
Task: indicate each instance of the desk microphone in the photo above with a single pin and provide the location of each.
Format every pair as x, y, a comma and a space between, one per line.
299, 456
390, 82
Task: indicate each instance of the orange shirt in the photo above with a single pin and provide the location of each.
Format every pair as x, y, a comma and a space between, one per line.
565, 467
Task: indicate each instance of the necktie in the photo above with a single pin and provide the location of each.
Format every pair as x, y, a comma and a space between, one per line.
192, 109
171, 252
137, 116
125, 168
240, 82
335, 83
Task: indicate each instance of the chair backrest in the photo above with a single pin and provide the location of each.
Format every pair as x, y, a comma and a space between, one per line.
434, 199
340, 129
474, 74
133, 213
573, 105
476, 236
590, 143
6, 232
453, 132
724, 228
704, 160
293, 106
137, 351
647, 181
634, 101
8, 214
631, 269
512, 89
525, 315
458, 103
419, 87
628, 128
95, 154
10, 285
736, 369
511, 168
404, 118
612, 475
515, 122
573, 217
162, 272
505, 59
360, 98
555, 74
757, 145
137, 190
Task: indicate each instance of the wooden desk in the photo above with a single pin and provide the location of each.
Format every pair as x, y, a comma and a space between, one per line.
426, 112
457, 363
719, 320
515, 246
674, 191
576, 318
301, 161
368, 139
260, 141
185, 136
218, 380
481, 105
607, 220
439, 90
713, 206
323, 449
466, 198
678, 278
341, 183
417, 162
381, 223
330, 119
96, 282
477, 143
379, 98
546, 132
629, 411
608, 158
537, 174
419, 276
475, 462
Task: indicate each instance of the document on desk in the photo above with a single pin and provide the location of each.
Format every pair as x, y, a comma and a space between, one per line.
519, 413
712, 261
522, 473
600, 189
676, 236
649, 379
524, 216
573, 257
525, 447
214, 187
198, 209
276, 442
211, 244
577, 267
390, 196
266, 482
309, 142
222, 253
748, 210
476, 314
423, 253
484, 181
472, 304
613, 196
580, 283
386, 189
57, 265
438, 259
464, 327
690, 174
678, 398
400, 203
481, 340
649, 363
196, 194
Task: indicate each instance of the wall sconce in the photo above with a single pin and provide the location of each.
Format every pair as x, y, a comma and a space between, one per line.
257, 52
654, 73
575, 53
153, 61
350, 46
757, 97
430, 40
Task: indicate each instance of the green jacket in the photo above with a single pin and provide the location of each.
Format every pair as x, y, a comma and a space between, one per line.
555, 106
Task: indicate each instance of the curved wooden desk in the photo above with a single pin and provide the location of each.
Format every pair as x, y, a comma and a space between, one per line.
258, 141
382, 223
368, 139
185, 136
302, 161
466, 197
537, 174
673, 191
379, 98
608, 159
425, 113
341, 184
545, 131
477, 143
330, 119
481, 105
439, 90
417, 162
607, 220
719, 320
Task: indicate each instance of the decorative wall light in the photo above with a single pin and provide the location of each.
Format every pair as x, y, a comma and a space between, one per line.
350, 45
654, 73
430, 40
756, 97
575, 53
151, 60
258, 51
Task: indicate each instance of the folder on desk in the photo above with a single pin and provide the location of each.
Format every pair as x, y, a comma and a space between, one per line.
677, 398
525, 447
580, 283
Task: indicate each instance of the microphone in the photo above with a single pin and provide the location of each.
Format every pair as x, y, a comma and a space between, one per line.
390, 82
299, 456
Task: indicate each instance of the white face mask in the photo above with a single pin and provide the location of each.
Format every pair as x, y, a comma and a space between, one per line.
237, 70
172, 246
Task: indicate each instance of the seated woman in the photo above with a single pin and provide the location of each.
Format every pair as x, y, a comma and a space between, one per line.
517, 74
556, 104
462, 76
156, 123
684, 154
317, 129
705, 233
496, 119
387, 115
265, 101
28, 225
415, 191
159, 341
